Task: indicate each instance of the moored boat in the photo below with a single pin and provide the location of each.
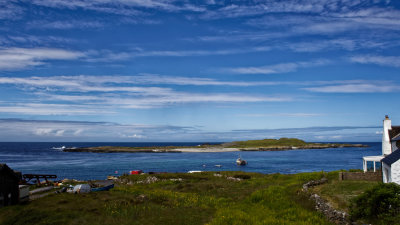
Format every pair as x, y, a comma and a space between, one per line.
241, 162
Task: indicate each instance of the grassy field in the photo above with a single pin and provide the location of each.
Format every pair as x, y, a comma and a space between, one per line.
269, 143
204, 198
339, 193
286, 143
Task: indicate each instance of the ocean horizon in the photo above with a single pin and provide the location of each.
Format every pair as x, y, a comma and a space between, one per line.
48, 158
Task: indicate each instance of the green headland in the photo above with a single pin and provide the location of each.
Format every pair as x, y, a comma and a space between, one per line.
250, 145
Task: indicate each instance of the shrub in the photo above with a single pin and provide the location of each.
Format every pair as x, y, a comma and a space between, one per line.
380, 204
242, 176
355, 170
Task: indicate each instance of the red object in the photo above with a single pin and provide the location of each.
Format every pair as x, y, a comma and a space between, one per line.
132, 172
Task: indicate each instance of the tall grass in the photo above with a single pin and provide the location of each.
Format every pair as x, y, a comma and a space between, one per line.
203, 198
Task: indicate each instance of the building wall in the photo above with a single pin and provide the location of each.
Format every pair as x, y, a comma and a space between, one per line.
394, 146
369, 176
386, 171
395, 172
8, 186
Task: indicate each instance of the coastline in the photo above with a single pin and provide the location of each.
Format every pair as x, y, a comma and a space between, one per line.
210, 149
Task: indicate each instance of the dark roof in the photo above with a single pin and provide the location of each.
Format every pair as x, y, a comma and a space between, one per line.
391, 158
394, 132
5, 169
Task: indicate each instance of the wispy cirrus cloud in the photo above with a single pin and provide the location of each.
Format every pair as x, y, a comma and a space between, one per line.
53, 130
121, 7
10, 10
338, 44
393, 61
276, 68
84, 83
86, 95
183, 53
20, 58
15, 58
65, 24
357, 87
51, 109
282, 115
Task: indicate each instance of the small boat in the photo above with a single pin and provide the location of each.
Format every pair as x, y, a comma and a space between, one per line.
105, 188
241, 162
195, 171
218, 166
111, 177
81, 188
135, 172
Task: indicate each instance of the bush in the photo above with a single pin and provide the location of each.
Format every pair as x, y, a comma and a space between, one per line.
242, 176
380, 204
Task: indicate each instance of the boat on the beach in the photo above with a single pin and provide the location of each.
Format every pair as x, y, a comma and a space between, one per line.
241, 162
105, 188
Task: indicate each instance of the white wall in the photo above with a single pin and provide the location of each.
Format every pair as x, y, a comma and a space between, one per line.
395, 172
394, 147
386, 173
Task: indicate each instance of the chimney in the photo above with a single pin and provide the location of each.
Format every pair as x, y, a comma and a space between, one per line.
386, 145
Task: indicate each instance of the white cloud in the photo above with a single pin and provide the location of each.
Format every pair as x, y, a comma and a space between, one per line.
20, 58
282, 115
53, 109
50, 130
356, 88
64, 25
85, 83
121, 7
10, 10
393, 61
63, 95
277, 68
183, 53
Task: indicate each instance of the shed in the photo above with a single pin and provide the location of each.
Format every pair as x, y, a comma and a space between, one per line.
9, 189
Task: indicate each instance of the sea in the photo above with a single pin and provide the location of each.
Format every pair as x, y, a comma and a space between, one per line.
48, 158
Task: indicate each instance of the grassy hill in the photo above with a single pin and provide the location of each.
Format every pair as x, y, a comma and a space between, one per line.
269, 143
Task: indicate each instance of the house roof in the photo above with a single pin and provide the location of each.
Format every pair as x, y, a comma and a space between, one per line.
391, 158
5, 169
394, 133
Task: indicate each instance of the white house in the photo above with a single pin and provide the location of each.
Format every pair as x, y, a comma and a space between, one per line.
390, 157
390, 146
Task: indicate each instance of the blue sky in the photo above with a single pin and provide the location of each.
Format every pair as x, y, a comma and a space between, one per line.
165, 70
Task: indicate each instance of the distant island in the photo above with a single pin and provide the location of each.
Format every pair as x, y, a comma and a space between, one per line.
281, 144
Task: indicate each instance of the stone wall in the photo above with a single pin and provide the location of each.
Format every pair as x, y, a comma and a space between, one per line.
333, 215
368, 176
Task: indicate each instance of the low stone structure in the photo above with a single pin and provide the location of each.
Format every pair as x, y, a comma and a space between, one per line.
367, 176
333, 215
